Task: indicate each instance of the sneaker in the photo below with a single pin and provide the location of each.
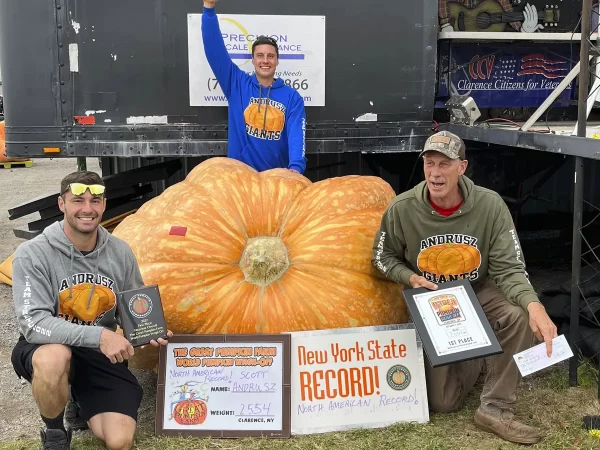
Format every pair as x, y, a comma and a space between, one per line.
56, 439
72, 417
505, 426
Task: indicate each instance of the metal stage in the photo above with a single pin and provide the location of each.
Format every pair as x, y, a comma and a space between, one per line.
574, 140
558, 138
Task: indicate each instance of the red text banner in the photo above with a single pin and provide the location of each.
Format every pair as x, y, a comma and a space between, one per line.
355, 378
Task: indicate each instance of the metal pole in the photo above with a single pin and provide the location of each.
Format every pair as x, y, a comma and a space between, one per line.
81, 163
584, 75
595, 89
576, 70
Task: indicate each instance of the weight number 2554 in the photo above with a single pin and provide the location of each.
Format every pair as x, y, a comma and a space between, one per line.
255, 409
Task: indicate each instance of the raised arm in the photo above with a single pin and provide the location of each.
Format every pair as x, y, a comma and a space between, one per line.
218, 58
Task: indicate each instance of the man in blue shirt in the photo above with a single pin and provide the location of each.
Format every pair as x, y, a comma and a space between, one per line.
267, 121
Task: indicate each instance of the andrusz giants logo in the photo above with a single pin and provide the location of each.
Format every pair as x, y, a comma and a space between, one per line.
265, 119
75, 304
449, 257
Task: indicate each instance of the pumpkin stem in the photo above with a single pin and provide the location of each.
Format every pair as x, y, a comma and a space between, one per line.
264, 260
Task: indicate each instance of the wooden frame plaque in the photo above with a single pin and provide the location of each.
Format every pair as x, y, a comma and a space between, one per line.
224, 386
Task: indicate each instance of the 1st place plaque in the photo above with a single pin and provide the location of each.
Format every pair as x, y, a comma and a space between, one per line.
142, 316
451, 323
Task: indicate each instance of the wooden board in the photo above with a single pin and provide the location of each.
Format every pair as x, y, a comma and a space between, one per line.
146, 174
113, 197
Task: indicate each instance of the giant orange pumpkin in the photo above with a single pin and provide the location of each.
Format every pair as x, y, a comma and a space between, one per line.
241, 252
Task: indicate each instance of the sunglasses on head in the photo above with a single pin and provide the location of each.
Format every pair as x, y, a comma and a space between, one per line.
80, 188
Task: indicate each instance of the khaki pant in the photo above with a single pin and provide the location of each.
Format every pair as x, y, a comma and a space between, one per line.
447, 386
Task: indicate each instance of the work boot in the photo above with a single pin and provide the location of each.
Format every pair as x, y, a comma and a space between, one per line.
56, 439
504, 425
72, 417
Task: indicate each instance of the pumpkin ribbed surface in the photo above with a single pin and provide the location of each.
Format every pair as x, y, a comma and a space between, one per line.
265, 252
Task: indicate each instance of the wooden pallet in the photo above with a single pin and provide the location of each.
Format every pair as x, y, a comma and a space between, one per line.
10, 164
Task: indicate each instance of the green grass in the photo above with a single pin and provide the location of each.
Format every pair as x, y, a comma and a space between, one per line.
545, 400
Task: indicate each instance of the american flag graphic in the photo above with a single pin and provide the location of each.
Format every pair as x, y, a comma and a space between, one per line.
511, 67
532, 64
537, 64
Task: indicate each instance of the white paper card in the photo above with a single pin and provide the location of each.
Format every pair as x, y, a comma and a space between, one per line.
535, 358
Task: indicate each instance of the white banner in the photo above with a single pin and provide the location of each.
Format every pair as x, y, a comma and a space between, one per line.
301, 54
357, 378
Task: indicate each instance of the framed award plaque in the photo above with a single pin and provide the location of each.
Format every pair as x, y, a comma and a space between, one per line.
142, 316
451, 323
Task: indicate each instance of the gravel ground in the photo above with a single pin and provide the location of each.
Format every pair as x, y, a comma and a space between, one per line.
19, 417
18, 414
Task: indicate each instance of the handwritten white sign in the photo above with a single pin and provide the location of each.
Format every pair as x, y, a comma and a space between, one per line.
357, 378
536, 358
223, 386
301, 42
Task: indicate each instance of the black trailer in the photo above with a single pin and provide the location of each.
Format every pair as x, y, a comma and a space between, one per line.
75, 73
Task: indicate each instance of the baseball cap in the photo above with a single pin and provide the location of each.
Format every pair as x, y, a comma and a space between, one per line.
447, 144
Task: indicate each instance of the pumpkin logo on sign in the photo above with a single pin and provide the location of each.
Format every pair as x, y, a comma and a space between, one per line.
398, 377
264, 118
190, 412
140, 306
449, 257
186, 408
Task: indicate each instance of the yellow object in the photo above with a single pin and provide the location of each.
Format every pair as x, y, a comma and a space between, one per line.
6, 271
51, 150
595, 136
80, 188
595, 433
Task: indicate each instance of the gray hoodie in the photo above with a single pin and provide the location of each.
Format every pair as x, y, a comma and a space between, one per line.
64, 297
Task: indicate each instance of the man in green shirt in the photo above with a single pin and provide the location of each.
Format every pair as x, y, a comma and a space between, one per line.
448, 211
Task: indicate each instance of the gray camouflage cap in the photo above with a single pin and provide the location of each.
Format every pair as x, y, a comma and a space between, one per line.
446, 143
